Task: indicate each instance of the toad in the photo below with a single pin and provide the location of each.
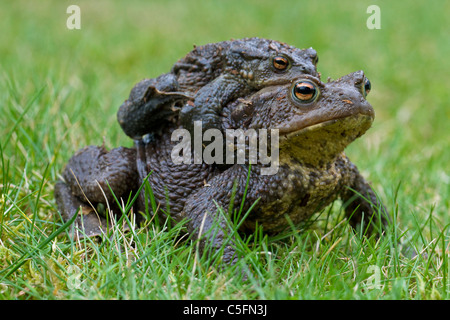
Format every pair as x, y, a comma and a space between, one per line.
216, 74
314, 120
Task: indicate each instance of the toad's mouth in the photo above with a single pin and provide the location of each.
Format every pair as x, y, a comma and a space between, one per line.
346, 123
324, 140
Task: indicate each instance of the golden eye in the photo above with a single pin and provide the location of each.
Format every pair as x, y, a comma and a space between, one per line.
280, 63
304, 91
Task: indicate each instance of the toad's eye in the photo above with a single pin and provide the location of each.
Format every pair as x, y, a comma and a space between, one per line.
280, 63
367, 87
305, 91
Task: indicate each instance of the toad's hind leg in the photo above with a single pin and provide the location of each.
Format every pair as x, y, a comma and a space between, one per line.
151, 104
90, 176
87, 220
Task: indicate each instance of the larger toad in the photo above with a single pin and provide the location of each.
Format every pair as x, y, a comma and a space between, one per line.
216, 74
315, 122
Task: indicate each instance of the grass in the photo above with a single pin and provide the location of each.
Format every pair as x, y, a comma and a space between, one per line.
60, 90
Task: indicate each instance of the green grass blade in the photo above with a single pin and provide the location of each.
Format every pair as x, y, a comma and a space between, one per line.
25, 256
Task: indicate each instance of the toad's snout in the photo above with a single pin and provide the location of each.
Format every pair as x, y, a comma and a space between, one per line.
351, 91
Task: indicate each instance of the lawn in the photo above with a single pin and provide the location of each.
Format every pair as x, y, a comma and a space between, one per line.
60, 91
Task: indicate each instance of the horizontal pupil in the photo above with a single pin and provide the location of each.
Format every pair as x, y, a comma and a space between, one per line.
305, 90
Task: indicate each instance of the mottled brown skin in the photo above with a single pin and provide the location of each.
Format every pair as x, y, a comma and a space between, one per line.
313, 169
214, 74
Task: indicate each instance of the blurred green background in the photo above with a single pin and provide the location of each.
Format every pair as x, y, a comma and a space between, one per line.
60, 90
86, 74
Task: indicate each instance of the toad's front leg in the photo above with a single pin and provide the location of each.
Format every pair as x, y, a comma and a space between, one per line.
210, 100
206, 223
88, 178
362, 205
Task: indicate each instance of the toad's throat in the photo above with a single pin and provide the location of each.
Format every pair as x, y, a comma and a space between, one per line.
319, 143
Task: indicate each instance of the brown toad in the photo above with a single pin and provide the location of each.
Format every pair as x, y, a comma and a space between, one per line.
216, 74
315, 122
